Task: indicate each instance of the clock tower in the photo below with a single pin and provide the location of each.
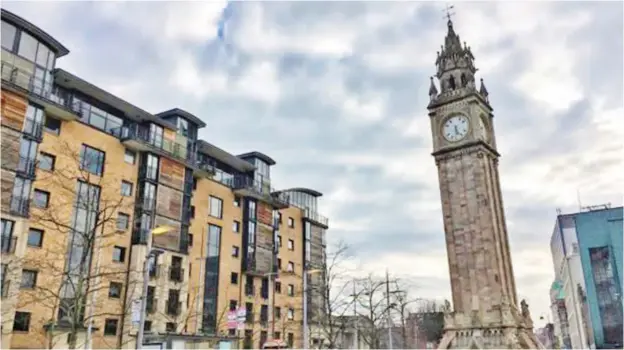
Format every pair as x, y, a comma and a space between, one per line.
485, 313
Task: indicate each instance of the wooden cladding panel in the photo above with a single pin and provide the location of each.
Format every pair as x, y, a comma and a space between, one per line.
172, 173
170, 240
264, 248
13, 110
265, 214
169, 202
10, 148
7, 189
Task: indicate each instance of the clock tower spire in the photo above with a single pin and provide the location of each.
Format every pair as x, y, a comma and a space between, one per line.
485, 314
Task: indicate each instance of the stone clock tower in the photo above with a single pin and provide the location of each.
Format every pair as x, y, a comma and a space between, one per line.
485, 314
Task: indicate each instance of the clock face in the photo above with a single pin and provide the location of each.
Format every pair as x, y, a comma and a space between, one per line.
455, 128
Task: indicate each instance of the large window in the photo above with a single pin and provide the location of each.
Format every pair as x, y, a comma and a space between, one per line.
27, 47
20, 195
7, 234
92, 160
211, 282
608, 294
33, 124
27, 155
152, 167
183, 127
156, 135
99, 118
8, 36
216, 207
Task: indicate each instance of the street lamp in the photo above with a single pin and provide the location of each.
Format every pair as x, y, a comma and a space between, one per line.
306, 342
149, 253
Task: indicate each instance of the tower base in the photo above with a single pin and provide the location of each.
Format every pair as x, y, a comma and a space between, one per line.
502, 328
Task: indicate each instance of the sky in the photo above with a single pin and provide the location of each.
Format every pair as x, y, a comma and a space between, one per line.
336, 93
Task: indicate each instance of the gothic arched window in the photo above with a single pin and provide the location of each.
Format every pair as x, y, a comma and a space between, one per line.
464, 81
452, 82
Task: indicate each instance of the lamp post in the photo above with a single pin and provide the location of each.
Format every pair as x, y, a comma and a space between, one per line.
153, 232
306, 341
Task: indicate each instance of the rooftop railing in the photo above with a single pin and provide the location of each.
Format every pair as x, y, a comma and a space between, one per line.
260, 188
143, 134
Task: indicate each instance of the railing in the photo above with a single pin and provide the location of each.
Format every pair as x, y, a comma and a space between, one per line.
143, 134
260, 187
316, 217
20, 205
173, 307
33, 128
151, 305
26, 167
27, 81
176, 274
8, 244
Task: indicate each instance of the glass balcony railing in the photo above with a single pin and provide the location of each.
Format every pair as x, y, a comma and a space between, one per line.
142, 134
26, 167
20, 206
315, 217
33, 129
8, 244
26, 80
260, 189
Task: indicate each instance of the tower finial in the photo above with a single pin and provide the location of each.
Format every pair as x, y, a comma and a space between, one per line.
449, 13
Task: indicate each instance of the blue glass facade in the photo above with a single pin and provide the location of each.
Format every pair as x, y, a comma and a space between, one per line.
600, 236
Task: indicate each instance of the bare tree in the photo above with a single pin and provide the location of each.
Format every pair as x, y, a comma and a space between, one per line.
373, 308
430, 320
332, 294
81, 216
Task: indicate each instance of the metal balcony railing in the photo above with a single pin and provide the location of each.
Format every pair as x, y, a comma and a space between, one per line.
8, 244
260, 188
35, 85
315, 217
151, 305
26, 167
173, 307
33, 129
176, 274
20, 206
143, 134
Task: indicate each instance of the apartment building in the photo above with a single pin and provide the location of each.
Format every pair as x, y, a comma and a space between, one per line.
86, 176
586, 295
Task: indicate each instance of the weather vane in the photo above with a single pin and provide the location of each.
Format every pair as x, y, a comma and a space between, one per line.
448, 11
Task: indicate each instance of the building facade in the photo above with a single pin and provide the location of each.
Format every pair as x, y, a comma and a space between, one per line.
86, 177
587, 292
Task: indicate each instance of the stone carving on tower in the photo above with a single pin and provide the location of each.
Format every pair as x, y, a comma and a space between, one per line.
485, 313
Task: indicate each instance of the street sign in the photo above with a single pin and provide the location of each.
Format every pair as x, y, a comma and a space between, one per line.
241, 315
231, 320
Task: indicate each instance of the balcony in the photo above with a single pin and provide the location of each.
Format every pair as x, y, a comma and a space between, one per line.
204, 168
176, 274
26, 167
174, 307
151, 305
41, 92
33, 129
139, 138
316, 218
262, 191
8, 244
20, 206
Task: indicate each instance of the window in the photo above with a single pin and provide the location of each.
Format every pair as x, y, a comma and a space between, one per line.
126, 188
129, 157
35, 237
279, 263
234, 278
41, 199
235, 251
114, 290
291, 244
237, 201
147, 326
52, 125
291, 313
291, 267
123, 221
46, 161
235, 226
27, 47
21, 322
152, 167
279, 216
119, 254
233, 305
110, 326
278, 313
291, 290
29, 279
170, 327
192, 212
8, 36
277, 335
190, 239
263, 335
278, 287
216, 207
291, 222
609, 300
183, 128
7, 232
92, 160
279, 241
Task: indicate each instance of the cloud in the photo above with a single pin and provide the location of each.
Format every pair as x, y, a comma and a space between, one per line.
336, 92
